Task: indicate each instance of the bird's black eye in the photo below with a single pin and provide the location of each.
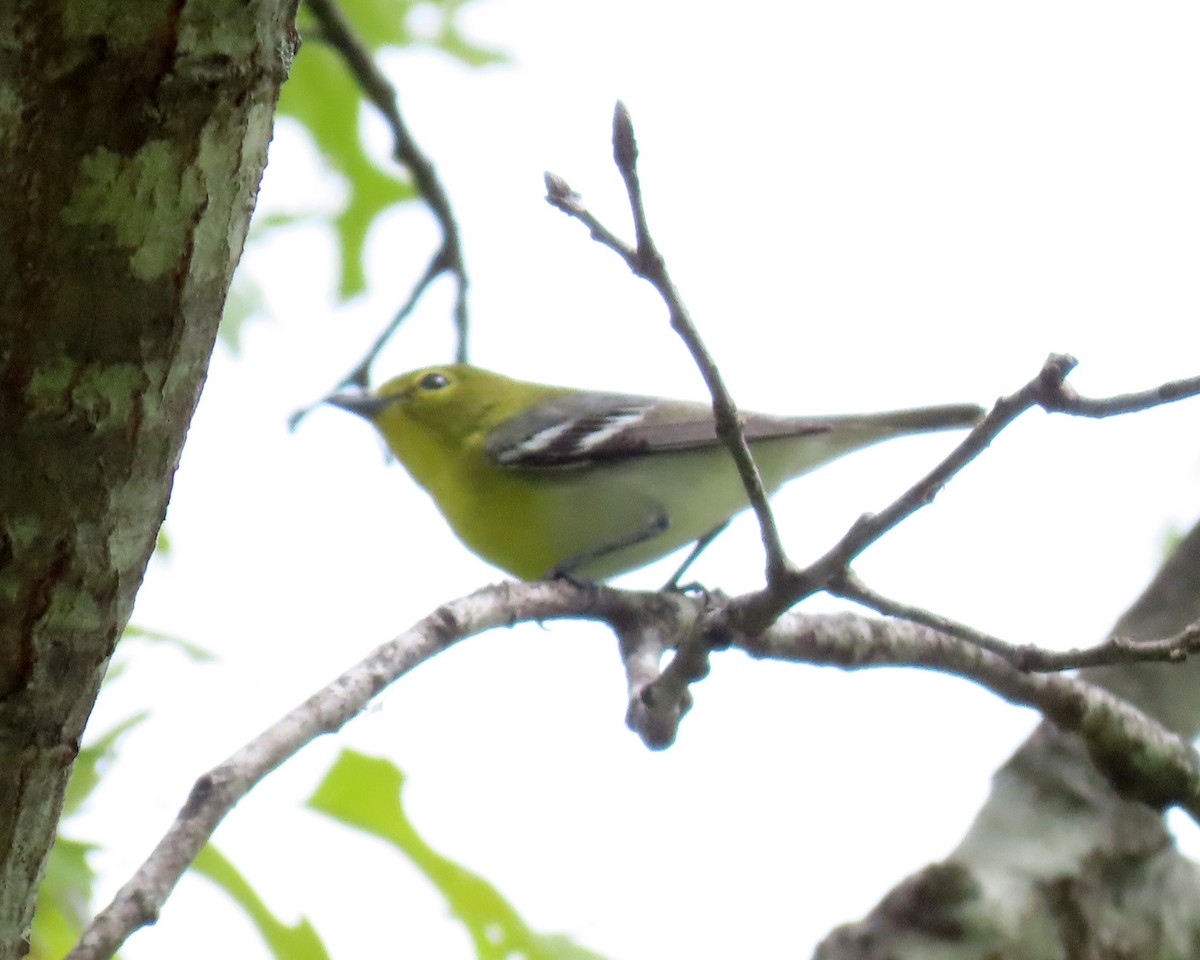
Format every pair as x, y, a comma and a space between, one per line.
434, 381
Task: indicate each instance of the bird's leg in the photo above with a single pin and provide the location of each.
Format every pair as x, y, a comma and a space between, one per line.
656, 526
697, 549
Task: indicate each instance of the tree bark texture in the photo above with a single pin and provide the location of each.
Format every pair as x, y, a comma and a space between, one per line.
132, 140
1060, 863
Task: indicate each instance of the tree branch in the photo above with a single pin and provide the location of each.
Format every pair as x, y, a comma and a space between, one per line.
215, 793
666, 697
338, 32
1061, 398
1146, 760
1112, 651
1141, 758
762, 608
647, 262
1046, 390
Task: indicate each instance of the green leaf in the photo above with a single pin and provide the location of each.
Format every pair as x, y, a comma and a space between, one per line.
1172, 537
296, 942
380, 22
193, 651
384, 23
364, 792
449, 40
323, 96
90, 764
244, 300
456, 45
63, 899
162, 543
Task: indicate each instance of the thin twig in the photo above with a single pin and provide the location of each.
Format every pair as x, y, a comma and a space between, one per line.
786, 585
1062, 398
1047, 390
1111, 652
337, 31
761, 609
358, 377
848, 586
1116, 650
645, 260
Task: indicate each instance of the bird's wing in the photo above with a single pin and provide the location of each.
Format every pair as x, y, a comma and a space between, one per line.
578, 429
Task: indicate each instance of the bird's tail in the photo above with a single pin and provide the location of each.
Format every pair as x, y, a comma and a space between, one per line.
918, 420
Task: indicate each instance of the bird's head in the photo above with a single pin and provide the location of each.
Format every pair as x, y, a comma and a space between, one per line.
446, 403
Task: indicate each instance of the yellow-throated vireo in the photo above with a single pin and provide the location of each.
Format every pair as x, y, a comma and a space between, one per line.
542, 480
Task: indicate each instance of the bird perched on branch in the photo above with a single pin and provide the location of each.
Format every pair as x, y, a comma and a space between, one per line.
543, 481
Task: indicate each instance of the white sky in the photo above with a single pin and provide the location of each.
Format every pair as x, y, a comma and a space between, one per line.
866, 205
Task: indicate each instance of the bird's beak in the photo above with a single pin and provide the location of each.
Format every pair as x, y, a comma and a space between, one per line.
364, 404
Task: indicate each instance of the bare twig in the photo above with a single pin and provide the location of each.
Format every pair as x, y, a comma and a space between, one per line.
1117, 734
668, 692
435, 268
642, 651
753, 613
645, 260
1134, 750
1116, 650
848, 586
762, 608
1108, 653
337, 31
1047, 390
1062, 398
215, 793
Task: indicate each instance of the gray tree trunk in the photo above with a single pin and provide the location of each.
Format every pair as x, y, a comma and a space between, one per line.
132, 139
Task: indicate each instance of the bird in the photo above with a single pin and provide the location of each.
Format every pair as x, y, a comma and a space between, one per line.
545, 481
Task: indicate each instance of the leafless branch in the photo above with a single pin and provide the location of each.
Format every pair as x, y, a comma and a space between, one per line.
1061, 397
1046, 390
643, 645
1111, 652
762, 608
1152, 763
214, 794
337, 31
645, 260
753, 613
667, 695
